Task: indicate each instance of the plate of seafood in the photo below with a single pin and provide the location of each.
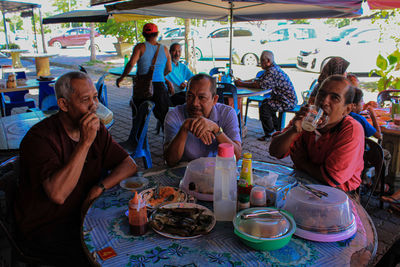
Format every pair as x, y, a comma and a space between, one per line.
182, 220
162, 195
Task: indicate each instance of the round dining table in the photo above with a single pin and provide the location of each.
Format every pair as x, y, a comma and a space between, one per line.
119, 70
105, 231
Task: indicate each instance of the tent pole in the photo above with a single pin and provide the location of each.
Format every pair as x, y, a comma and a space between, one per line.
230, 35
34, 31
5, 29
44, 48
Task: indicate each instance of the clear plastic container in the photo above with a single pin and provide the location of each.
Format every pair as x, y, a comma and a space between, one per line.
326, 215
258, 197
225, 183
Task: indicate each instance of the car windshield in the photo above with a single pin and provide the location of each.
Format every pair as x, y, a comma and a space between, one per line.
341, 35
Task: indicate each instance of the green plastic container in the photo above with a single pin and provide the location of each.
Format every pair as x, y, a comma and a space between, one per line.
262, 243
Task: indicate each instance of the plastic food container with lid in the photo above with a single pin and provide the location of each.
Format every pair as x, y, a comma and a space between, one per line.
264, 228
325, 219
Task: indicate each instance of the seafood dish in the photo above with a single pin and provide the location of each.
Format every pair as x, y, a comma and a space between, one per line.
162, 195
182, 220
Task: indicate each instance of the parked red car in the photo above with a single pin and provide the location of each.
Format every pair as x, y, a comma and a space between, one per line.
72, 37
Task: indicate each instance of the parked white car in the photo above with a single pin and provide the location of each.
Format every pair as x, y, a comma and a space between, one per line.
103, 43
176, 35
285, 41
361, 48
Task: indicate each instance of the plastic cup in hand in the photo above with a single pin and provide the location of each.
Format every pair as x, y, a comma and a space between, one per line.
396, 119
315, 119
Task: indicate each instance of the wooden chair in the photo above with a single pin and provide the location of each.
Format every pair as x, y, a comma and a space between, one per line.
373, 157
8, 185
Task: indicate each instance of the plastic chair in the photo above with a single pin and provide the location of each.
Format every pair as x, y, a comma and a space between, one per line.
102, 90
8, 185
305, 95
47, 96
387, 95
231, 90
219, 70
256, 98
138, 136
373, 157
81, 68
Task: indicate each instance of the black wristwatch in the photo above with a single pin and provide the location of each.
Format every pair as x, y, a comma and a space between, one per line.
101, 185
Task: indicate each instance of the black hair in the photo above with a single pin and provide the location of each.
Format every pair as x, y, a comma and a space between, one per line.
172, 46
149, 35
349, 95
358, 96
201, 76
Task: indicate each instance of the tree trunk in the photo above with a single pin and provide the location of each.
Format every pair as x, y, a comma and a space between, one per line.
189, 46
92, 43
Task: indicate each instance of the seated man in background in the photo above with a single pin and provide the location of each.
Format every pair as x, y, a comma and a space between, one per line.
283, 97
62, 160
334, 154
177, 79
195, 129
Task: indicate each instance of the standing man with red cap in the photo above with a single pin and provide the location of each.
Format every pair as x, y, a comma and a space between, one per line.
143, 54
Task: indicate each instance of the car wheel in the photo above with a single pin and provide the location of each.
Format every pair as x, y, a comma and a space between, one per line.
197, 54
57, 44
96, 47
250, 60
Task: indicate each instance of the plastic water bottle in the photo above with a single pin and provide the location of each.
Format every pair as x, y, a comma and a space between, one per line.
225, 184
227, 77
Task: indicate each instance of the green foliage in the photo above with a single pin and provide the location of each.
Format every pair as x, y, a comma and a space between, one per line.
389, 71
13, 46
64, 5
124, 31
339, 23
301, 21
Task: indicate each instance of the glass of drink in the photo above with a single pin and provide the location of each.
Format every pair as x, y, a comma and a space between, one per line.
396, 119
315, 119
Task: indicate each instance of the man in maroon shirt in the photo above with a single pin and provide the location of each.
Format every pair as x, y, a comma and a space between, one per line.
334, 154
62, 160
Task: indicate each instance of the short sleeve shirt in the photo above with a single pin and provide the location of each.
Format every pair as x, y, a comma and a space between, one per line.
45, 149
221, 114
368, 128
178, 75
339, 153
282, 87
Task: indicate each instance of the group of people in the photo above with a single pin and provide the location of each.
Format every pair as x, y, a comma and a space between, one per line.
75, 158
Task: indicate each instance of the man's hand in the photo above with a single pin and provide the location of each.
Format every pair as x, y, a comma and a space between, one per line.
298, 118
238, 82
171, 89
89, 125
201, 125
119, 80
183, 85
207, 138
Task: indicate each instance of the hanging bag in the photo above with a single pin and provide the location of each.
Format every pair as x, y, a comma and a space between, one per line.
144, 83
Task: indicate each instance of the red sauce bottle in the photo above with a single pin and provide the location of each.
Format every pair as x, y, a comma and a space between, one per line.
137, 215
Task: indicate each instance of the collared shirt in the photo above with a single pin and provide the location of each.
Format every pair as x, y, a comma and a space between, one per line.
368, 128
278, 81
339, 152
221, 114
178, 75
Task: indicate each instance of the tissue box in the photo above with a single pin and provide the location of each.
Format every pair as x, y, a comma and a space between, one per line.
276, 195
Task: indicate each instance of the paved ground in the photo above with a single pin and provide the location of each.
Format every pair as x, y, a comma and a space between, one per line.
387, 224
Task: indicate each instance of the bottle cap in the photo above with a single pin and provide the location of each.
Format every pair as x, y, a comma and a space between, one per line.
135, 199
225, 150
247, 155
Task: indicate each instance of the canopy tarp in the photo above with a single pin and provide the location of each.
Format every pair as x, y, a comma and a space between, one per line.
242, 11
93, 16
383, 4
12, 6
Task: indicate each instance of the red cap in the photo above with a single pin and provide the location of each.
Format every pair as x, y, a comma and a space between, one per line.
150, 28
225, 150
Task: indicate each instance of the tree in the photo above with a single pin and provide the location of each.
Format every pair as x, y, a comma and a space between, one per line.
339, 23
64, 5
124, 31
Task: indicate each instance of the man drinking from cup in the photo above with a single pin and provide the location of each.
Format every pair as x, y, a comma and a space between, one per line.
62, 160
332, 154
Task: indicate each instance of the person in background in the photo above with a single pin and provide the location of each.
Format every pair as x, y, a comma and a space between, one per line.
283, 96
335, 65
62, 159
143, 54
195, 129
369, 130
177, 79
334, 154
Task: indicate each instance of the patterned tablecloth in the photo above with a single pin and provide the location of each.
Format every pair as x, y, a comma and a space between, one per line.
105, 225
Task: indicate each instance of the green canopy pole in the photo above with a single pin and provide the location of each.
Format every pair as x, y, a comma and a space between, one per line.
5, 29
34, 31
